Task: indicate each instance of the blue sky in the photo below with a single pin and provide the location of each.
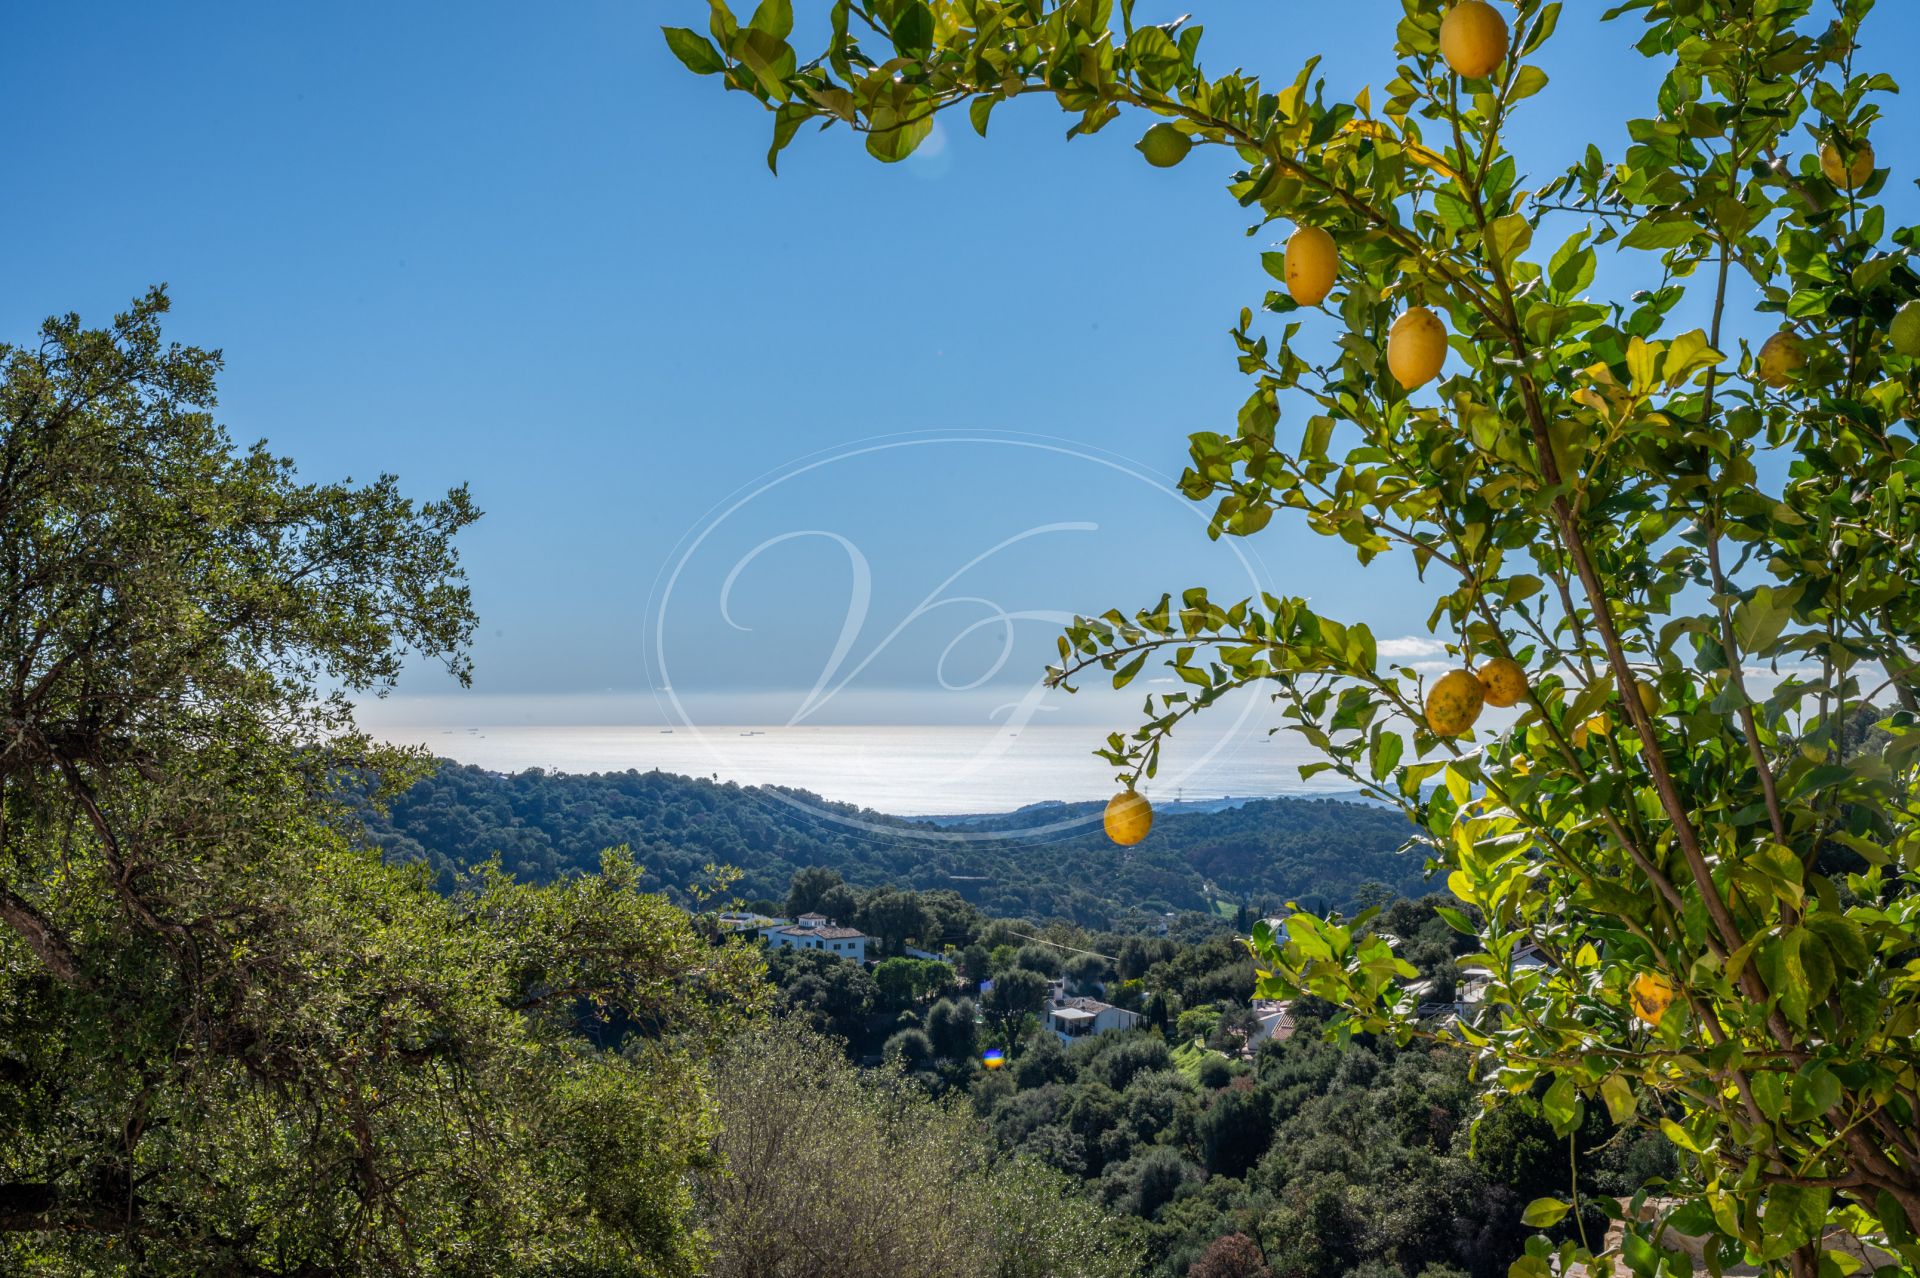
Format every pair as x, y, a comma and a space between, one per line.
516, 246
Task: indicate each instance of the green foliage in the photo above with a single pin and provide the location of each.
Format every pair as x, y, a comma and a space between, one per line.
827, 1168
1016, 995
229, 1043
905, 981
950, 1029
1724, 890
544, 824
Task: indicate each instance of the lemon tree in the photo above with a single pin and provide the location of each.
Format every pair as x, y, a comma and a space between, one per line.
1624, 515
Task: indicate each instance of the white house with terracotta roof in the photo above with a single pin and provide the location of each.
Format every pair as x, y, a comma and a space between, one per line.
818, 932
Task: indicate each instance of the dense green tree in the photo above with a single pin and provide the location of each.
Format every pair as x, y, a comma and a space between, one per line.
909, 1049
1042, 1060
1017, 994
894, 917
1146, 1182
1234, 1131
1043, 959
809, 887
230, 1043
829, 993
951, 1030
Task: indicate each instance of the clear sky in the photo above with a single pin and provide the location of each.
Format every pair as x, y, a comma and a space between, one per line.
514, 245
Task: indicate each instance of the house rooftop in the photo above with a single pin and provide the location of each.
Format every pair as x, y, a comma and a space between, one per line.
1074, 1014
825, 933
1091, 1006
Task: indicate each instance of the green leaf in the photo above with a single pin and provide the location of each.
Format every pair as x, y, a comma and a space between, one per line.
913, 30
694, 50
978, 110
1562, 1105
1794, 1215
1618, 1094
1779, 961
1387, 747
1679, 1135
770, 58
1642, 359
1509, 236
1529, 82
1651, 234
894, 134
774, 18
1759, 619
1545, 1213
786, 122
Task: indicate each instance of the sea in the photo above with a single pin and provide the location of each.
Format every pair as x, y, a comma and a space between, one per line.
900, 770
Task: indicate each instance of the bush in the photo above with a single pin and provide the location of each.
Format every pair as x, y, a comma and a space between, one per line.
951, 1029
1233, 1256
821, 1160
909, 1049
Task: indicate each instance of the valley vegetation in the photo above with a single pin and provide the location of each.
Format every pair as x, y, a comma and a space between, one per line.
547, 824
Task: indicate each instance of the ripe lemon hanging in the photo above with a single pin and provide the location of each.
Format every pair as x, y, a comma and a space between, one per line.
1453, 703
1313, 263
1781, 357
1473, 39
1416, 347
1503, 682
1165, 146
1129, 816
1649, 699
1847, 167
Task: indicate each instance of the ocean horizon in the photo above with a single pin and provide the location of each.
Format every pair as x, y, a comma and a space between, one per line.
901, 770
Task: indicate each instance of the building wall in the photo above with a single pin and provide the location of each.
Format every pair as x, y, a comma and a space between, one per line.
855, 949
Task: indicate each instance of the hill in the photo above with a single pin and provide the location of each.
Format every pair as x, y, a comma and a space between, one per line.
547, 824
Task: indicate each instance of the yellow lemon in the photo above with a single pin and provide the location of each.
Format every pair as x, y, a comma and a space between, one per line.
1652, 995
1312, 265
1847, 167
1473, 39
1781, 357
1165, 146
1129, 817
1649, 699
1453, 703
1416, 347
1906, 330
1503, 682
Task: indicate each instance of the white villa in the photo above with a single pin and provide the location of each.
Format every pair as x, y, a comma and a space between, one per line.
1076, 1018
818, 932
